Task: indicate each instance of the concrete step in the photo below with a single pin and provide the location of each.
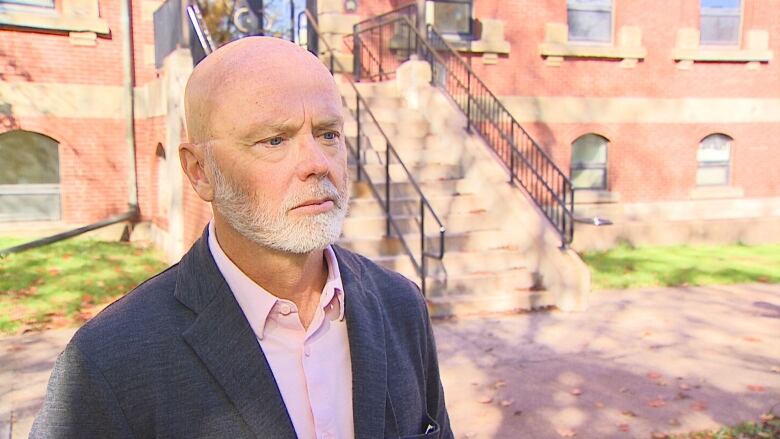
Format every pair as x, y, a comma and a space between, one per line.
379, 89
481, 283
420, 173
357, 226
459, 263
498, 302
444, 205
453, 242
405, 189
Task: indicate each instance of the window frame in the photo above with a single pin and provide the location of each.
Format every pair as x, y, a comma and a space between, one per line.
462, 35
31, 6
738, 42
580, 166
610, 41
715, 164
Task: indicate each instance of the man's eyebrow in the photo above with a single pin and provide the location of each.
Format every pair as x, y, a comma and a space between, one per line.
329, 122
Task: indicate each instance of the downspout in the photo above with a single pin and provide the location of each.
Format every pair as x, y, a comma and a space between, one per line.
129, 68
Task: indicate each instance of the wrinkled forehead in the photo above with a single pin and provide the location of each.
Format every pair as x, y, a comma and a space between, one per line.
255, 80
273, 98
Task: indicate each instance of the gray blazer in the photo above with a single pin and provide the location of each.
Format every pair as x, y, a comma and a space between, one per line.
176, 358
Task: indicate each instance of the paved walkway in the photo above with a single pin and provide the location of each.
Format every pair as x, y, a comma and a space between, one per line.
638, 362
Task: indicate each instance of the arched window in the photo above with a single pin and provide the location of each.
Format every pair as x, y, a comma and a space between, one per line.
714, 157
29, 177
589, 162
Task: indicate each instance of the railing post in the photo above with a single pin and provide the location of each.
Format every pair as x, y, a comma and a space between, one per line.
468, 101
332, 55
381, 51
357, 117
356, 53
423, 266
387, 188
512, 153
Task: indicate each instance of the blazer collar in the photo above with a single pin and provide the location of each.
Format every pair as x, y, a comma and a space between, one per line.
224, 341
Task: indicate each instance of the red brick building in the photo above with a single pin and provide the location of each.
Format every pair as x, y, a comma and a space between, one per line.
667, 119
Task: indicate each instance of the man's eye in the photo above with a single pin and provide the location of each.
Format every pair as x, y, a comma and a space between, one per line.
331, 135
275, 141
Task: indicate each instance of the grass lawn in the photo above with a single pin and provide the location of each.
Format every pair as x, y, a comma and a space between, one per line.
68, 282
767, 428
626, 267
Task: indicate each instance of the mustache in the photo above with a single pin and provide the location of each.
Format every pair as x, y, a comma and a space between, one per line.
324, 189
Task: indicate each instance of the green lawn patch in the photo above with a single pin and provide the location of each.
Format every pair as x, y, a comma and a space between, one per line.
627, 267
66, 283
767, 428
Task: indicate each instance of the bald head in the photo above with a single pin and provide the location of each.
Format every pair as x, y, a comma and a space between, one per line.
247, 75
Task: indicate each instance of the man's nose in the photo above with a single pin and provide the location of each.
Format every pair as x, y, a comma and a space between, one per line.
312, 160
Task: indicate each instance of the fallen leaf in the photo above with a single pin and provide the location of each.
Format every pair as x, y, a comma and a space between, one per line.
624, 428
507, 402
566, 432
654, 375
684, 386
674, 422
681, 395
751, 339
599, 404
517, 412
755, 388
499, 384
474, 383
775, 369
655, 403
576, 391
623, 390
485, 399
766, 417
628, 413
699, 406
657, 435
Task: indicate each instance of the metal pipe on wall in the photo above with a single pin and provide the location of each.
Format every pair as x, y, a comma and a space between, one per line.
128, 83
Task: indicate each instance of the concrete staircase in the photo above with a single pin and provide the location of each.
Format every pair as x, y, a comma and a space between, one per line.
492, 260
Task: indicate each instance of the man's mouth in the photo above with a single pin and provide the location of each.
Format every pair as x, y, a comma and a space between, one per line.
315, 206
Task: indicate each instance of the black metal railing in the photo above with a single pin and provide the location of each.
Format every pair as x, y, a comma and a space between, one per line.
380, 48
429, 248
409, 11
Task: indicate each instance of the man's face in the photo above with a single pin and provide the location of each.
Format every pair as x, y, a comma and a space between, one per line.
277, 161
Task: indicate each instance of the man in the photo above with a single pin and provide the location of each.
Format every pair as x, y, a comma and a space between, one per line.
263, 329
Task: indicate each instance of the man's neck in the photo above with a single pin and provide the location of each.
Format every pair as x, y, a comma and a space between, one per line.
298, 278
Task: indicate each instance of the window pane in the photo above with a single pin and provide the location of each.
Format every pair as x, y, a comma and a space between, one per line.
28, 158
714, 148
719, 29
588, 178
589, 149
452, 17
27, 207
590, 25
38, 3
712, 175
728, 4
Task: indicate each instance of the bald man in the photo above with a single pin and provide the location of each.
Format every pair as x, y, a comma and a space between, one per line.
264, 329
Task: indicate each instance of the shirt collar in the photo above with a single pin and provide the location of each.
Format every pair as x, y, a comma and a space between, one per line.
254, 300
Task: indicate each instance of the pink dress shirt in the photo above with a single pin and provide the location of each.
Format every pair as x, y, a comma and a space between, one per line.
312, 367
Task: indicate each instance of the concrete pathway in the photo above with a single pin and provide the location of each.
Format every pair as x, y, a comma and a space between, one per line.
637, 363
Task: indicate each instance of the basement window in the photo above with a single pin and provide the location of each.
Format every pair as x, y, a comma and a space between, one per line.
720, 22
714, 157
589, 162
590, 21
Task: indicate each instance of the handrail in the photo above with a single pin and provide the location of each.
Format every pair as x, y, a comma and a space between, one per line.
528, 164
196, 19
425, 205
407, 10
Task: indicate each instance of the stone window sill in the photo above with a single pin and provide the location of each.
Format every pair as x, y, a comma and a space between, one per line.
591, 51
715, 192
54, 22
723, 55
585, 196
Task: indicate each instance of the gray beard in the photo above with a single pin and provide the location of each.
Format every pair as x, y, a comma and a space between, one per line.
270, 226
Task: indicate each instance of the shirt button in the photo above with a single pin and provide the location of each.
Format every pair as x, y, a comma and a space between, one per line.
285, 309
307, 351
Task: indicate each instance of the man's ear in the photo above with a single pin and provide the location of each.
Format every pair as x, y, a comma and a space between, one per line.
193, 163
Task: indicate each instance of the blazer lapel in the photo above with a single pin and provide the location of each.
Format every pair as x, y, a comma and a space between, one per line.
224, 341
365, 329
